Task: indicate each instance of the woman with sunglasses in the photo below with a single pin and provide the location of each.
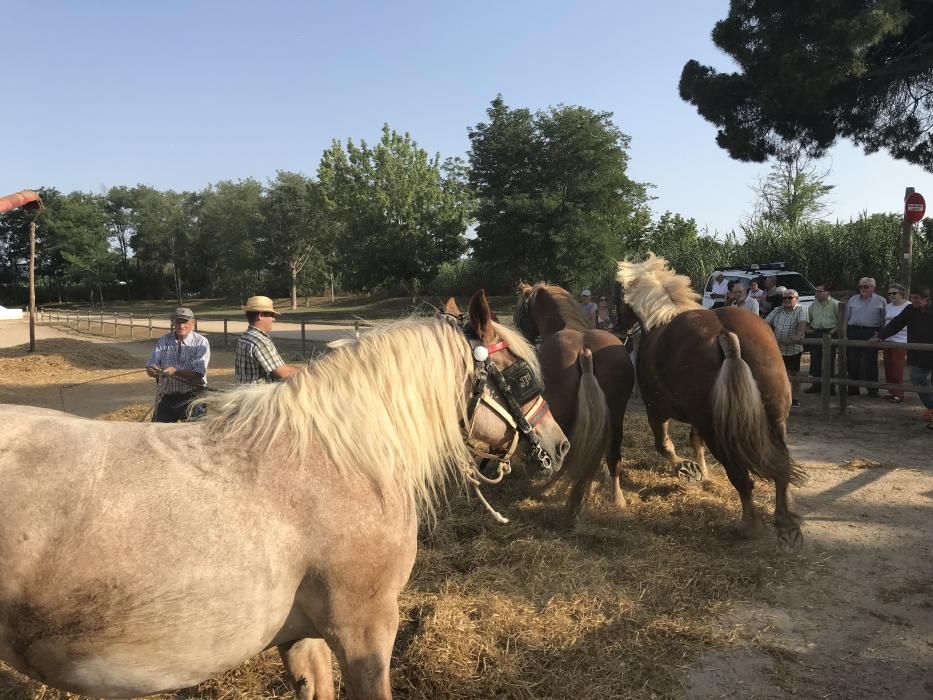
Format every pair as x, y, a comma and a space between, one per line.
604, 319
895, 358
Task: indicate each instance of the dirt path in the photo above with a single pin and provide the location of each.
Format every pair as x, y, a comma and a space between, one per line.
858, 621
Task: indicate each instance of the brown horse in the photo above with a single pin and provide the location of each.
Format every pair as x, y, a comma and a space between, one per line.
588, 379
735, 395
138, 557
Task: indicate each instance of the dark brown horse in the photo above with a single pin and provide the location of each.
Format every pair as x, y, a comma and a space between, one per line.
735, 396
588, 379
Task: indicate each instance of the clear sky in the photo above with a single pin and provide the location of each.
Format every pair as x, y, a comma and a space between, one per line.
181, 94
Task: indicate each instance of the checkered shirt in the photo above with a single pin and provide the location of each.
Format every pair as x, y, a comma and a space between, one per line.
255, 358
192, 354
785, 323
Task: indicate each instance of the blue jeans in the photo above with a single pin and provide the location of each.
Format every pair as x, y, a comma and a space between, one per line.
920, 376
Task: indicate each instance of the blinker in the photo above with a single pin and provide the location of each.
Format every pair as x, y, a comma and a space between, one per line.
521, 382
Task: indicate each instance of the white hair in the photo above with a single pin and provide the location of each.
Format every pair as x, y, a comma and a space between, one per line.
867, 280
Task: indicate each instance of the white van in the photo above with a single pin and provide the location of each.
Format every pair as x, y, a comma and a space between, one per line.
785, 278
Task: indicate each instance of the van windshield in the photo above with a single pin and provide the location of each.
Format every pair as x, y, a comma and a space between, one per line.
792, 280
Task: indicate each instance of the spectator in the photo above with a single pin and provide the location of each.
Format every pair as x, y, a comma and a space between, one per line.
756, 292
179, 364
720, 290
588, 307
918, 319
894, 358
865, 317
790, 325
742, 299
604, 318
256, 361
773, 297
822, 319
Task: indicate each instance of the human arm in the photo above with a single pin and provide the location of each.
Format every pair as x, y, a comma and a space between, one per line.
893, 326
285, 371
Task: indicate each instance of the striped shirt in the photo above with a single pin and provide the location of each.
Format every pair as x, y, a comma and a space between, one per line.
255, 358
191, 354
786, 323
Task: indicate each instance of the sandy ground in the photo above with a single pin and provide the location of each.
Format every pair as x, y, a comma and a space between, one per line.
858, 621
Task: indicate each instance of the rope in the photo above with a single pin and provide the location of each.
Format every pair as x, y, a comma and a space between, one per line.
476, 479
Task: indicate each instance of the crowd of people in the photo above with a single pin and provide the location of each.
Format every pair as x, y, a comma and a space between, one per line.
895, 317
181, 357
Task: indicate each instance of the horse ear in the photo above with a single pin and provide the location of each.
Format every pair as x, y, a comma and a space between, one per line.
524, 289
451, 307
481, 317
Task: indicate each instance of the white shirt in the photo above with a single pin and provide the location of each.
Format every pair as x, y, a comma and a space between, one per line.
721, 288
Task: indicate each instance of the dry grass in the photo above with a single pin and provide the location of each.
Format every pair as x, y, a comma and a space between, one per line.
618, 608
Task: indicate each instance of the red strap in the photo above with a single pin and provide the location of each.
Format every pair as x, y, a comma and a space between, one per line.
541, 411
496, 347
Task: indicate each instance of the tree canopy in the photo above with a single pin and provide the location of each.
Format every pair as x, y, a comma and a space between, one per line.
810, 71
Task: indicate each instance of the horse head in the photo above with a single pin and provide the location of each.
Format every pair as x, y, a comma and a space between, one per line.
522, 318
505, 402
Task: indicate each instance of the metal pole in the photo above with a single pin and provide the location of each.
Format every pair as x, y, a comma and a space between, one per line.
907, 241
32, 285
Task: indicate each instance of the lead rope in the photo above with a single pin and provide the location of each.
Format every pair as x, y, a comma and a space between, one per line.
476, 479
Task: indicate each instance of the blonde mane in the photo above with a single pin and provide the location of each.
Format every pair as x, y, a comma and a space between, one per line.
654, 291
388, 406
567, 307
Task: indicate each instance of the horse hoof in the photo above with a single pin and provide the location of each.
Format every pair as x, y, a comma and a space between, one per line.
689, 471
751, 530
790, 540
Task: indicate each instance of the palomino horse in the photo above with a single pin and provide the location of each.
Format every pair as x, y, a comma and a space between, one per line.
590, 411
691, 367
137, 558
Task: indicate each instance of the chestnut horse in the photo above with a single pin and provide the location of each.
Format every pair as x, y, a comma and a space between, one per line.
143, 557
588, 379
692, 367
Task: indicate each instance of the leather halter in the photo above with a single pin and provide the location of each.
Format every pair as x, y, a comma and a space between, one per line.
521, 423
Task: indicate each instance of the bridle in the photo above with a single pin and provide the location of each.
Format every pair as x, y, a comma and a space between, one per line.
514, 386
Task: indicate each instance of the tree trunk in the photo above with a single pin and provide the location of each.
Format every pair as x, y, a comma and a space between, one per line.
294, 271
177, 284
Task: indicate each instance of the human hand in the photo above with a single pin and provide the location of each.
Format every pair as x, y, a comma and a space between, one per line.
875, 339
169, 371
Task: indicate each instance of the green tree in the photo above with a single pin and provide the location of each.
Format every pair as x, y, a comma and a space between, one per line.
814, 70
297, 228
229, 224
80, 223
118, 205
794, 192
401, 213
164, 229
553, 197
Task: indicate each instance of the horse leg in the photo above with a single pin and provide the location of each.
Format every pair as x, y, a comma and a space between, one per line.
699, 451
751, 525
786, 521
308, 664
687, 469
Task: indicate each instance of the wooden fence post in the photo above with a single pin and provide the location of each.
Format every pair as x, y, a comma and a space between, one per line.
843, 367
150, 326
304, 338
131, 325
225, 334
114, 324
102, 322
826, 372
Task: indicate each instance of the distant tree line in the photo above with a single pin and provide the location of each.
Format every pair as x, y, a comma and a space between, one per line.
542, 195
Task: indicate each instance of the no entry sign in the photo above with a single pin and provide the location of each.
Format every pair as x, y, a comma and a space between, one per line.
914, 207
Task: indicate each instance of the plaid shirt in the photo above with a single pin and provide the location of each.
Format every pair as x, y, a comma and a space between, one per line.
255, 358
192, 354
785, 323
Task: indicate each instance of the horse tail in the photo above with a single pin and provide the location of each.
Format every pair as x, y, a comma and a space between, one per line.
589, 438
744, 433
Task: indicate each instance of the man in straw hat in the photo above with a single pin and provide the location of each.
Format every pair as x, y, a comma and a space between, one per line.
256, 361
179, 364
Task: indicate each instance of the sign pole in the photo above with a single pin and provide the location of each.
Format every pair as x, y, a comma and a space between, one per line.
914, 210
32, 285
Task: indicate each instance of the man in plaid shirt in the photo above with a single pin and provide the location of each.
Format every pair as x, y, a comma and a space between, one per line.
179, 363
789, 322
256, 361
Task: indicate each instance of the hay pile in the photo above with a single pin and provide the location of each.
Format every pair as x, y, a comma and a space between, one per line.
618, 608
63, 360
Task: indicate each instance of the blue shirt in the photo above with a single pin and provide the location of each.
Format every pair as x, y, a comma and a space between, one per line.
191, 354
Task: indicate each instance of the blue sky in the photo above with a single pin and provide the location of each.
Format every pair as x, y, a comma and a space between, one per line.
182, 94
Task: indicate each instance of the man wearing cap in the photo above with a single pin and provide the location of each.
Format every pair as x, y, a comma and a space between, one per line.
720, 290
179, 364
256, 361
588, 307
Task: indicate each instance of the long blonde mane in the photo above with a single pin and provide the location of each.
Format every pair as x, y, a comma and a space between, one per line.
388, 406
654, 291
567, 307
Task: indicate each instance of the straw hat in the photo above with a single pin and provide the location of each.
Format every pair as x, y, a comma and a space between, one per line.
262, 304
